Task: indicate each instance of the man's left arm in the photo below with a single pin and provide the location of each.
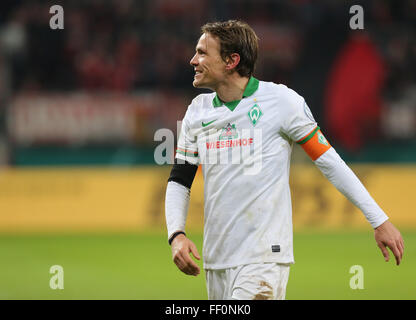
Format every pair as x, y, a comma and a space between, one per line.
299, 125
343, 178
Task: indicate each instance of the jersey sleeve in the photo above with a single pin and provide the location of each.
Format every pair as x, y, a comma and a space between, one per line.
300, 126
187, 148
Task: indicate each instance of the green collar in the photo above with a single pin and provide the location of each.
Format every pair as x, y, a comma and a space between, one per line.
252, 86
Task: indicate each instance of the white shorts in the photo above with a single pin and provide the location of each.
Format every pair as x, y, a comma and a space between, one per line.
259, 281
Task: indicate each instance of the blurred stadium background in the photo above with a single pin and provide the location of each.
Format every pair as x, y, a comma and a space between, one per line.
79, 107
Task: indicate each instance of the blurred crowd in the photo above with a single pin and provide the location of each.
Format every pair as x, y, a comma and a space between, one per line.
360, 84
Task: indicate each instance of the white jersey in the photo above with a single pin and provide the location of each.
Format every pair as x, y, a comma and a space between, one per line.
245, 148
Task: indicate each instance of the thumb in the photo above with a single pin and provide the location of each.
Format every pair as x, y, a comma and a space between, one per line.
194, 251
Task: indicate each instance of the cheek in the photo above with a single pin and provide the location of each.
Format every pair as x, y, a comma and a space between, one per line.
205, 65
218, 67
212, 68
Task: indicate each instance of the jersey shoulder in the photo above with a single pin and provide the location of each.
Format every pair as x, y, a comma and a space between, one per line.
280, 92
202, 101
285, 101
292, 114
198, 105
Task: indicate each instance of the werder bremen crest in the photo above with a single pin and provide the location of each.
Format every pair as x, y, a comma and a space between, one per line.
254, 114
229, 132
321, 139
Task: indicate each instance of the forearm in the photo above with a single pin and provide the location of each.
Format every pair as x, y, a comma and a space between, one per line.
176, 207
344, 179
178, 195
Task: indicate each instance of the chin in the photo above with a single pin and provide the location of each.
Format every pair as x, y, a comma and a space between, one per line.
197, 84
201, 85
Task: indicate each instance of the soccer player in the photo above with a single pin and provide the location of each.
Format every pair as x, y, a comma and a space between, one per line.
248, 246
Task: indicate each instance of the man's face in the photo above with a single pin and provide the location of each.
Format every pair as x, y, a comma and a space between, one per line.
207, 62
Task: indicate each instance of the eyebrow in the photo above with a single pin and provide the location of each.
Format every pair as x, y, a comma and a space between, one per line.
199, 50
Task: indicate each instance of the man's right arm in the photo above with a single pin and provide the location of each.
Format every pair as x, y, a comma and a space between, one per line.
176, 210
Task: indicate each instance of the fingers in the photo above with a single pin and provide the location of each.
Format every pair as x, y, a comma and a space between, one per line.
183, 260
400, 245
186, 264
180, 263
400, 248
395, 247
191, 267
387, 236
384, 251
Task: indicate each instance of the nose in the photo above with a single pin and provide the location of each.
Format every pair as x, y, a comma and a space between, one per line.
194, 61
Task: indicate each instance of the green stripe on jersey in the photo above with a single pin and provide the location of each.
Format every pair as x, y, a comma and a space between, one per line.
252, 86
306, 139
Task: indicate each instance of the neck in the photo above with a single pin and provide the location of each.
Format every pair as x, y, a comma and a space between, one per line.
233, 88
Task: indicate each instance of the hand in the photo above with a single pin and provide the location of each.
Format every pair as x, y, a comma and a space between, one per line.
387, 235
181, 247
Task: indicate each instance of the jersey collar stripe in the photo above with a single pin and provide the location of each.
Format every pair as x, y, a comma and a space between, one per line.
252, 86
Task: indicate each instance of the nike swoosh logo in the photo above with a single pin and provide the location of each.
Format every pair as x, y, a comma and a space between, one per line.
208, 123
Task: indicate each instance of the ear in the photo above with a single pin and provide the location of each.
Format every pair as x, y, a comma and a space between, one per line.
232, 61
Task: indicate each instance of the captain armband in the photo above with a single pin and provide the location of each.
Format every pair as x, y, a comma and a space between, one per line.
314, 144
